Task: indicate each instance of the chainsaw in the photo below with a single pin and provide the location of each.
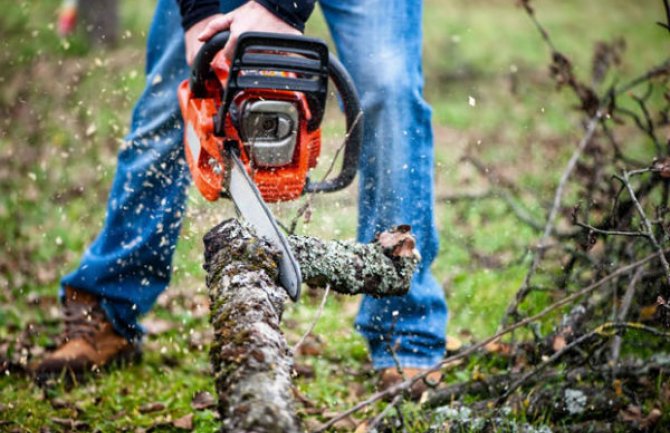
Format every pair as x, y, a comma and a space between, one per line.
252, 128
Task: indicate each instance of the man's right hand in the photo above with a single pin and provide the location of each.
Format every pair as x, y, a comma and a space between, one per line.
193, 44
247, 18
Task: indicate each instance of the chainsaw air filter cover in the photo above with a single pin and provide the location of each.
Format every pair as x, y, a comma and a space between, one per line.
269, 130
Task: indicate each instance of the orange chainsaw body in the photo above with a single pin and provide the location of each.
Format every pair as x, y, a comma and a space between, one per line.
205, 152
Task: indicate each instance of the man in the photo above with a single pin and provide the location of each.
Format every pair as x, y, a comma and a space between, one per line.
129, 264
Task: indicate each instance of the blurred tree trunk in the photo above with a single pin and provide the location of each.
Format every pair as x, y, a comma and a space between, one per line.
100, 21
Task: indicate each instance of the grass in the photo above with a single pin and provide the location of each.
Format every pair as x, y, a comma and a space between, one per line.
65, 109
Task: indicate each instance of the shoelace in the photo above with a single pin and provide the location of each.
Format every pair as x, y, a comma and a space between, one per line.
82, 321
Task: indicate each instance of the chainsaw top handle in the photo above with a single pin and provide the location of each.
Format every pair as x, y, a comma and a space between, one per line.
311, 68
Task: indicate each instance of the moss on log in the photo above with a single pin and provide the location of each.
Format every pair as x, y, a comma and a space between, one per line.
250, 358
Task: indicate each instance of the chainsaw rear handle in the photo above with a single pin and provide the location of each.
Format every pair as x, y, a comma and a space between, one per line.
262, 51
354, 135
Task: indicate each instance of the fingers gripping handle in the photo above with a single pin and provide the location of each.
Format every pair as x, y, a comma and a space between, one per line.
202, 70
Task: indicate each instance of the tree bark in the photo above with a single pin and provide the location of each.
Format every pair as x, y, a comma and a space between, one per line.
250, 358
382, 268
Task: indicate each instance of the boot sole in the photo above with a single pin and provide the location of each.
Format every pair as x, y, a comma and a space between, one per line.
71, 377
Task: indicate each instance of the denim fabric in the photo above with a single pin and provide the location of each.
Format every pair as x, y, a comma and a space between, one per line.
379, 41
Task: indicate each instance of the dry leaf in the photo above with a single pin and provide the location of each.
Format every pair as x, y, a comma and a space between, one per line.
311, 346
453, 344
631, 413
499, 348
151, 407
203, 400
648, 313
662, 167
559, 343
184, 423
345, 424
303, 370
651, 419
362, 427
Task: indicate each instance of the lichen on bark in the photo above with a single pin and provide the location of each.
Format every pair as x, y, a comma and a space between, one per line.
381, 268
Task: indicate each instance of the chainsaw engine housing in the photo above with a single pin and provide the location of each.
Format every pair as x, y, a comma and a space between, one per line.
266, 105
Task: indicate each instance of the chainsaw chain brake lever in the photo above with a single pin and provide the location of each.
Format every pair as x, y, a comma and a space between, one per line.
311, 64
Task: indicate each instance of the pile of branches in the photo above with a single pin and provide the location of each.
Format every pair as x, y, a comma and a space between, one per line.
595, 358
603, 253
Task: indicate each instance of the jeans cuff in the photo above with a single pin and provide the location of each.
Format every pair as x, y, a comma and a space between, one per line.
130, 330
386, 361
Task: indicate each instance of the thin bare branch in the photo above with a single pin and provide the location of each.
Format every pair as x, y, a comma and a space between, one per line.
549, 226
372, 427
623, 312
317, 316
610, 232
647, 224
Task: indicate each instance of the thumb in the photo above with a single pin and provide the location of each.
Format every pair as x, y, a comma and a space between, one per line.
229, 49
215, 26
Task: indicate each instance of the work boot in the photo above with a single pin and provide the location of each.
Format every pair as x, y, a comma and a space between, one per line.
89, 340
391, 376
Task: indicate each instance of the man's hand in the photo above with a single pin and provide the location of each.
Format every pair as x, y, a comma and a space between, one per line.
247, 18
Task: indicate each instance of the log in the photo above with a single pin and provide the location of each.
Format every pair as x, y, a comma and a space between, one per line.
250, 359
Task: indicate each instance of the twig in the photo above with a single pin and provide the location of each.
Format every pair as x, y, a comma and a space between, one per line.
494, 178
317, 316
372, 427
626, 181
618, 153
392, 348
656, 71
610, 232
308, 201
402, 386
452, 198
666, 5
545, 35
502, 188
492, 385
549, 226
623, 312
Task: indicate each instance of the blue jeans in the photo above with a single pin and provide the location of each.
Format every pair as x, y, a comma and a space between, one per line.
129, 264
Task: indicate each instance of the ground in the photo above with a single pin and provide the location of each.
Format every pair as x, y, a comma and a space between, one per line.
65, 109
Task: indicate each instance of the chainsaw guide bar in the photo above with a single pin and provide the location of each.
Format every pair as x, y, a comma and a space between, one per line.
250, 205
